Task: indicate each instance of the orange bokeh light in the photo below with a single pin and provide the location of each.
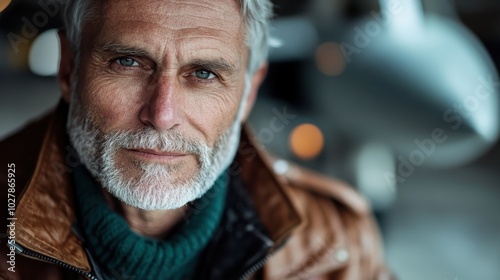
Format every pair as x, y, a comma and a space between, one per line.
4, 4
306, 141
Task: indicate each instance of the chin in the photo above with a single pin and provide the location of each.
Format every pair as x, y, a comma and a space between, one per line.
155, 186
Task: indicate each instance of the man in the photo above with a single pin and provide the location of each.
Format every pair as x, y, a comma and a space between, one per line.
141, 172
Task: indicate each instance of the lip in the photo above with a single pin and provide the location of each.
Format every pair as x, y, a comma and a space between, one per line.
156, 154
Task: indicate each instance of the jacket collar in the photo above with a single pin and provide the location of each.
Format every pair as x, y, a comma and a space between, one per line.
45, 213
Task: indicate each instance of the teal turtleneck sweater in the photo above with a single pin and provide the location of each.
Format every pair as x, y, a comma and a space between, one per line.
120, 251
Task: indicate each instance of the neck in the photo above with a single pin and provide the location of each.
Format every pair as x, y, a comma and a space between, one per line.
148, 223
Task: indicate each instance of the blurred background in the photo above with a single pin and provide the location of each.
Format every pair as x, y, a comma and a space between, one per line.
400, 98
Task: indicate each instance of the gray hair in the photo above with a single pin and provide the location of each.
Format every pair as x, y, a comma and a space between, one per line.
257, 14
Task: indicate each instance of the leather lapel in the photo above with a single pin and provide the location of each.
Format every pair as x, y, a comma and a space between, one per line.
45, 212
273, 204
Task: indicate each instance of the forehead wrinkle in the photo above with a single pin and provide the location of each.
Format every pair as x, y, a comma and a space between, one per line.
211, 5
201, 37
209, 26
208, 18
169, 9
179, 13
196, 3
206, 30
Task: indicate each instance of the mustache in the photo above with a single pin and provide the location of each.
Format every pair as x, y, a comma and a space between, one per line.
148, 138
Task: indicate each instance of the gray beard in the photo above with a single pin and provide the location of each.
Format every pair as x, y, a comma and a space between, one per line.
155, 188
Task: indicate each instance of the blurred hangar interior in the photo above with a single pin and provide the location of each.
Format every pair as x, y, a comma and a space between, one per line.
400, 98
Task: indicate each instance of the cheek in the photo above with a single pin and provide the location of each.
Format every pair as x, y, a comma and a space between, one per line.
112, 102
213, 114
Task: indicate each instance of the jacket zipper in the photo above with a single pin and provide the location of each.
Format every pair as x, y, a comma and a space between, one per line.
256, 267
24, 251
251, 270
268, 242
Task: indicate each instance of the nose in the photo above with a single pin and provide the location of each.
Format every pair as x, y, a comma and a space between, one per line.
161, 110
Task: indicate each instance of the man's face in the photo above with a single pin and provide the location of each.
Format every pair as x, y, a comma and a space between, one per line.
159, 88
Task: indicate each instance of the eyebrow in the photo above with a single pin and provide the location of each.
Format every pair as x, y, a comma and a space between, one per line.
113, 47
218, 64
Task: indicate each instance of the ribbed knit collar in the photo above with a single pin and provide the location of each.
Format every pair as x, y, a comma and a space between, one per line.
120, 251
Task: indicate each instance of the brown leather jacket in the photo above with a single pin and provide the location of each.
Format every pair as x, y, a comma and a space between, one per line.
326, 228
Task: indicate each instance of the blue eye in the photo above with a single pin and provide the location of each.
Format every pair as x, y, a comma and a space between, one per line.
204, 74
127, 62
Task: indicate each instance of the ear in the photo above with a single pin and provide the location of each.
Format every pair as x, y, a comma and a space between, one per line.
256, 81
66, 66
